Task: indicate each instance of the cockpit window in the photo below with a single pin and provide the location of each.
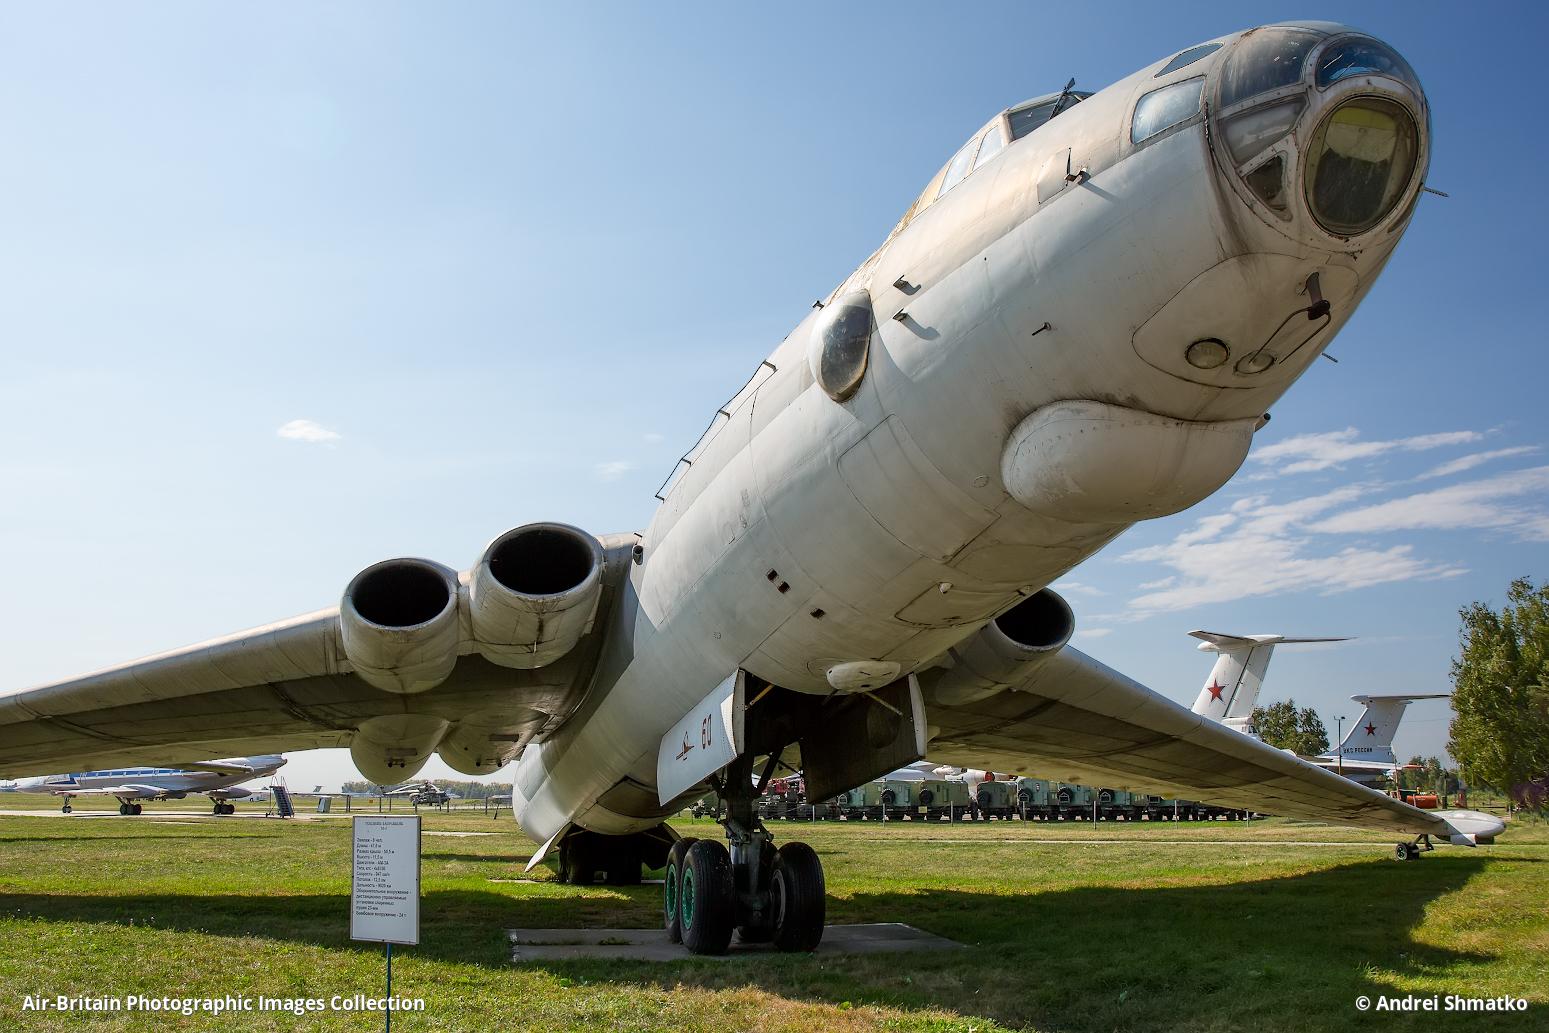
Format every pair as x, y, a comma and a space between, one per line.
1029, 117
1264, 61
1164, 108
994, 143
961, 162
1188, 57
1358, 56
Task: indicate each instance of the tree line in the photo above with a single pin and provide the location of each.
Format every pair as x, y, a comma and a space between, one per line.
1500, 701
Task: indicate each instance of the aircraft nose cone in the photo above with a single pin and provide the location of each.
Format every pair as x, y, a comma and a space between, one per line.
1327, 129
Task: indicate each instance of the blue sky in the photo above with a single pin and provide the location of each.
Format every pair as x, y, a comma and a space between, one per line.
502, 263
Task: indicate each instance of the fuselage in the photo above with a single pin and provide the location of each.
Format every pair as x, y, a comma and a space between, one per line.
1041, 329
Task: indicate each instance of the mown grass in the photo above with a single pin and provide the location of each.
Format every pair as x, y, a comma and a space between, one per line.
1173, 928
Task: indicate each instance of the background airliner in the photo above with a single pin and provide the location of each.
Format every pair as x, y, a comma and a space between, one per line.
216, 779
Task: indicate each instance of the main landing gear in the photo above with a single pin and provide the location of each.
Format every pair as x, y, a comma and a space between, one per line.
1410, 850
224, 808
128, 808
66, 809
763, 894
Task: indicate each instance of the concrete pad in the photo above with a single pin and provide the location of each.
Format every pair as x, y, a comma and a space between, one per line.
652, 945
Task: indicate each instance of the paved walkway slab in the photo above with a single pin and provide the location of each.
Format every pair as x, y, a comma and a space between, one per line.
652, 945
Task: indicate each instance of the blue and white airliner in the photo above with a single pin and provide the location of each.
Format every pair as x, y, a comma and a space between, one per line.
216, 779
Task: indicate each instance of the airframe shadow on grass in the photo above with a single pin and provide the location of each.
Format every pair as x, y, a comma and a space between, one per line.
1282, 952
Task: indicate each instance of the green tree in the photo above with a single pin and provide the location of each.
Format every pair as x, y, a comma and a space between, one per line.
1284, 726
1500, 734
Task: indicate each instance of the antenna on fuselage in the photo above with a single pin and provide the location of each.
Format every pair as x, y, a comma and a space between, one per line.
1059, 105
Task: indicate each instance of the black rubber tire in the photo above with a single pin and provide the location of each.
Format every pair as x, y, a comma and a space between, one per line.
672, 886
66, 809
798, 898
136, 809
123, 809
707, 898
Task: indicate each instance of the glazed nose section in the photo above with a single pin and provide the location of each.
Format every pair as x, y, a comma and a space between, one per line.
1361, 158
1326, 133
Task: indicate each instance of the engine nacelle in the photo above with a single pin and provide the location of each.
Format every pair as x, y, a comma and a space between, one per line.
398, 622
534, 594
394, 747
1005, 650
468, 750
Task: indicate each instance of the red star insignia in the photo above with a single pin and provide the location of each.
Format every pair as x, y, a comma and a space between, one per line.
1371, 729
1215, 690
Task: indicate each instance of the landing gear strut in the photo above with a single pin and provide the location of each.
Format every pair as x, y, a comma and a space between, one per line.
1410, 850
763, 894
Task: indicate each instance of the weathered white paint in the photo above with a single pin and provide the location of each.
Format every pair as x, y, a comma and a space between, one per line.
1025, 399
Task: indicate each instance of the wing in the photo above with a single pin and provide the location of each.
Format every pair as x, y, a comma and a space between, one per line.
1076, 720
292, 686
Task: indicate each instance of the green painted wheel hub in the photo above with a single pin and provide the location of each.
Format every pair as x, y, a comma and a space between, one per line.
671, 891
688, 896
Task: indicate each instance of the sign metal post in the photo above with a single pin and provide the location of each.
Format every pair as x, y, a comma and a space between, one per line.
385, 886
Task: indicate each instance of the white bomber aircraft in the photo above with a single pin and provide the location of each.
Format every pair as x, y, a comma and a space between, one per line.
1079, 324
216, 779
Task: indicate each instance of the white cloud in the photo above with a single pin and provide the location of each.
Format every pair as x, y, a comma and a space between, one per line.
310, 431
1468, 462
1309, 453
1262, 548
613, 469
1093, 632
1473, 505
1076, 588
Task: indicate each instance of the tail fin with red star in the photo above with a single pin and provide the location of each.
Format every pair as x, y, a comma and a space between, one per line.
1232, 690
1371, 735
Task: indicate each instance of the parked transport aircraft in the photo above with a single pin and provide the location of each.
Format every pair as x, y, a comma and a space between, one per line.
216, 779
1365, 754
1231, 693
1078, 325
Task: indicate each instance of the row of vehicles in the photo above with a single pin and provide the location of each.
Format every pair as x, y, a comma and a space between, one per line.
951, 797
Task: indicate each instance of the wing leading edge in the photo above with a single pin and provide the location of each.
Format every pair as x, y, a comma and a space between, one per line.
1077, 720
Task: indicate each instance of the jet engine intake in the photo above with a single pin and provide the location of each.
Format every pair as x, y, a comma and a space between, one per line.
398, 623
1006, 650
534, 594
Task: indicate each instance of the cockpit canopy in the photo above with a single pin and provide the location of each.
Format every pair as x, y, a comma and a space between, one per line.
1010, 125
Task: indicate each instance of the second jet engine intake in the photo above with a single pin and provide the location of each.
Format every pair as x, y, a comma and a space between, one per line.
1006, 650
398, 623
534, 594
